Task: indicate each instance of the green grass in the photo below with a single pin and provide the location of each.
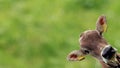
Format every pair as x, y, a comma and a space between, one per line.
40, 33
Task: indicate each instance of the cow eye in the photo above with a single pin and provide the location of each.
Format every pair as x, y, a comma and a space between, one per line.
85, 51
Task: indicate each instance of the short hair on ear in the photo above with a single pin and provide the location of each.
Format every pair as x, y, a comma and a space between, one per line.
101, 24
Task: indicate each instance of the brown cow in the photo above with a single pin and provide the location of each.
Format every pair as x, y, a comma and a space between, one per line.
93, 43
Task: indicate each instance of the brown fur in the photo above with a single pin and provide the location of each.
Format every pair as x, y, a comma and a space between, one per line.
93, 42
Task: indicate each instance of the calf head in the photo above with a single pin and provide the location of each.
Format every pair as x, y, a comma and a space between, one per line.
93, 43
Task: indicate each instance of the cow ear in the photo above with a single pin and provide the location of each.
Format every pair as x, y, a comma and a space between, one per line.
101, 24
75, 55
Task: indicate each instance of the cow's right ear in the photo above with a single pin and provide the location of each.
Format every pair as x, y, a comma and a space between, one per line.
75, 55
101, 24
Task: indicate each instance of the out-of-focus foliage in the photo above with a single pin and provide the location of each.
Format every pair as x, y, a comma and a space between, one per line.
40, 33
93, 4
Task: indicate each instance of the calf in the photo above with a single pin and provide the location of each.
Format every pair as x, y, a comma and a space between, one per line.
92, 42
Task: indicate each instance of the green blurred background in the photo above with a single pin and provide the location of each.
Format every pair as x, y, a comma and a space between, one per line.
40, 33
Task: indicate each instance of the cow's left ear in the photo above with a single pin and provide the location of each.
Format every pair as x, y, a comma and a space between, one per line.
101, 24
75, 55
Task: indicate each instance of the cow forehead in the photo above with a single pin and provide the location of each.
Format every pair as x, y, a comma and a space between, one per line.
93, 33
90, 37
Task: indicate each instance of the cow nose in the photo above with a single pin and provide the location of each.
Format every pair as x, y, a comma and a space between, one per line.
108, 52
108, 55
